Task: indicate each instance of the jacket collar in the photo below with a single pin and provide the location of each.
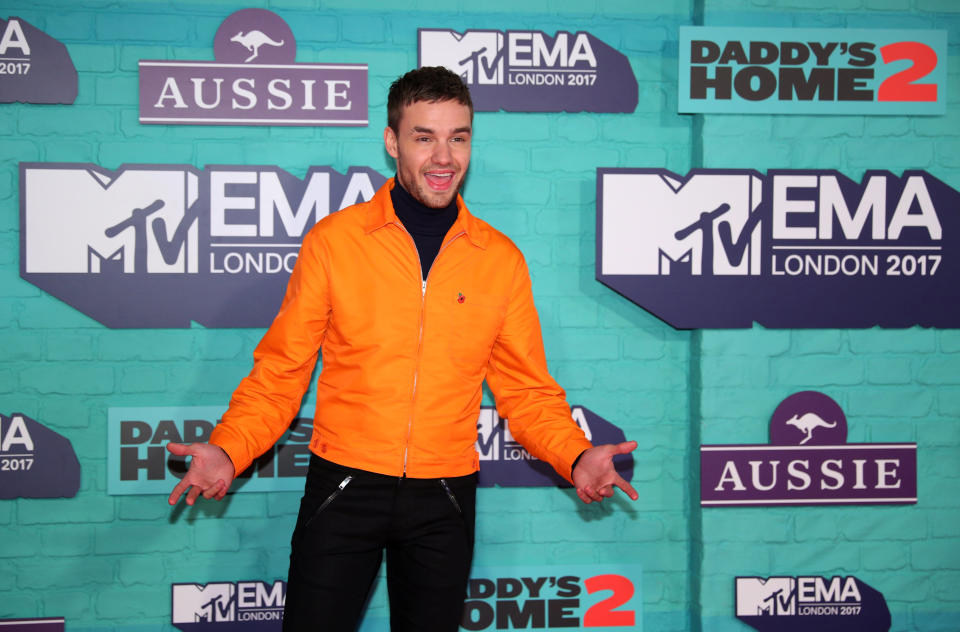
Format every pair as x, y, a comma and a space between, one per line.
380, 212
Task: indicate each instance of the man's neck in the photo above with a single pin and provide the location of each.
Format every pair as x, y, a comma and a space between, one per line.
426, 225
417, 217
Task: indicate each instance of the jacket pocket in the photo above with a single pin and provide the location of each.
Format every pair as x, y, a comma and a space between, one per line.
468, 330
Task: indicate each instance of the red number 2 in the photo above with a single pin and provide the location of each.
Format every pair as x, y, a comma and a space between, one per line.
602, 613
900, 87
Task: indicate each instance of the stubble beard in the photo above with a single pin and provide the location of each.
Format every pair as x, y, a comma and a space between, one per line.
428, 198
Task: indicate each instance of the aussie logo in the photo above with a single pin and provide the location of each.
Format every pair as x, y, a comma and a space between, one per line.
807, 423
808, 463
34, 67
799, 604
247, 605
138, 462
792, 248
823, 71
254, 81
554, 598
163, 245
252, 41
35, 462
530, 71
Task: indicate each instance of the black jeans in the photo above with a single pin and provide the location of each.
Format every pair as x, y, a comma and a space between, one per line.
347, 519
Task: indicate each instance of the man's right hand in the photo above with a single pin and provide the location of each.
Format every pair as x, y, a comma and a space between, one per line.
211, 472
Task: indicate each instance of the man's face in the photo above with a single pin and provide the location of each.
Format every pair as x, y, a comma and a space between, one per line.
432, 150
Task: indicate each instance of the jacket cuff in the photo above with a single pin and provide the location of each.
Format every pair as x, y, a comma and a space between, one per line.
575, 461
233, 446
564, 461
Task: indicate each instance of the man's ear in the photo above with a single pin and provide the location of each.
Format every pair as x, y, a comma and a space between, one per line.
390, 141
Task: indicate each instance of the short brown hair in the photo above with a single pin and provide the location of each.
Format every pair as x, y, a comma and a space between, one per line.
430, 83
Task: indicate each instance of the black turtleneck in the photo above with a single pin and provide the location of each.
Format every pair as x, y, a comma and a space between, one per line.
428, 226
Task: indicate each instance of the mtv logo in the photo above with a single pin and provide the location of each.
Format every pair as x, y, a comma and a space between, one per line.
766, 597
193, 603
477, 56
492, 434
579, 416
83, 219
656, 223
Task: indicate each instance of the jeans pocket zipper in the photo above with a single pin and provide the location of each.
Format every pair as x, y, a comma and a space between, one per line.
333, 495
453, 499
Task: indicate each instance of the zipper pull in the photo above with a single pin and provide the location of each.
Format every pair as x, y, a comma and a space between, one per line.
423, 289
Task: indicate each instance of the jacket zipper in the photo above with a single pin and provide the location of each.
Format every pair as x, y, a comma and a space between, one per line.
423, 302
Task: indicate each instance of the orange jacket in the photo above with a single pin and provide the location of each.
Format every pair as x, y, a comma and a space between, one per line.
403, 359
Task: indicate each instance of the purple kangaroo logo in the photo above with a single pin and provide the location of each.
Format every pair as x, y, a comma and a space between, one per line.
807, 423
252, 41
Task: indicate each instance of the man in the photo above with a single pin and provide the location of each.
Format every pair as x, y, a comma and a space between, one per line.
412, 302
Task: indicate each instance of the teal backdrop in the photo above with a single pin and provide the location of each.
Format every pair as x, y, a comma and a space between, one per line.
106, 563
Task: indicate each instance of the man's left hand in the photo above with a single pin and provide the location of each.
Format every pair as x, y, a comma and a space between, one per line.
594, 476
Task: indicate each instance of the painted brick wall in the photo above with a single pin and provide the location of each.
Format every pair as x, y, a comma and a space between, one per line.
893, 385
106, 562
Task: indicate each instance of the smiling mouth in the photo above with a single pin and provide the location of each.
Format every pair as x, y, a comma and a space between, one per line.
439, 181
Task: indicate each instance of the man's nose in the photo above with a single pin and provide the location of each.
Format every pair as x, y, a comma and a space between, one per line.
441, 153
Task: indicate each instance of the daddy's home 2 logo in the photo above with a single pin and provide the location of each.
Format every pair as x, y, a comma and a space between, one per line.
530, 71
554, 597
812, 71
805, 603
138, 462
245, 606
254, 81
34, 67
164, 245
35, 462
808, 462
789, 249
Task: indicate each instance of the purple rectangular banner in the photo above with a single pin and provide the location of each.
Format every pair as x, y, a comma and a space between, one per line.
865, 473
786, 249
210, 93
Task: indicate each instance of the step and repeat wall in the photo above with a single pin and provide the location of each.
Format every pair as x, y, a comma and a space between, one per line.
742, 222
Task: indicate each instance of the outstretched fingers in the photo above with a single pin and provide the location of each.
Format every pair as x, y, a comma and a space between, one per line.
210, 473
193, 494
213, 491
587, 495
177, 492
181, 449
216, 491
625, 487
